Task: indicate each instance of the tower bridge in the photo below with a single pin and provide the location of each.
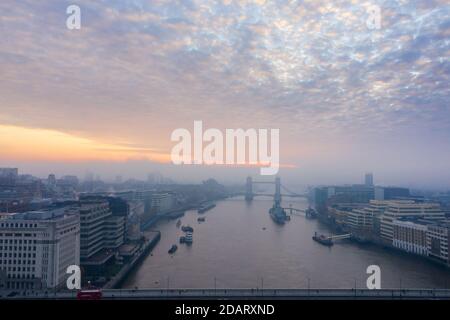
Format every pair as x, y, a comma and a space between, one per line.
249, 194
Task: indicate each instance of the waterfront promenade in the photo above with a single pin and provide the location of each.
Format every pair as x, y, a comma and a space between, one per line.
152, 239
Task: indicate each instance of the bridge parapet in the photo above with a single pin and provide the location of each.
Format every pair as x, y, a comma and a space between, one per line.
254, 293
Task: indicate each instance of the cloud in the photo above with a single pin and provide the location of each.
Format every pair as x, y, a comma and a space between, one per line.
139, 69
49, 145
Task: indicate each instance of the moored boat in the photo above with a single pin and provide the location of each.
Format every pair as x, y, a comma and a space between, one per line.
187, 229
310, 213
278, 214
326, 241
173, 249
188, 237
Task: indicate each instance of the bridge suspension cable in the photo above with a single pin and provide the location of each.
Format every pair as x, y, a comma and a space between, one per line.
289, 191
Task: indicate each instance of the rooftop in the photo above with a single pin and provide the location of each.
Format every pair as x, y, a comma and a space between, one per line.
424, 221
48, 214
99, 258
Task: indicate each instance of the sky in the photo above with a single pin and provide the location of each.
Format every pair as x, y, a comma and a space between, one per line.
346, 97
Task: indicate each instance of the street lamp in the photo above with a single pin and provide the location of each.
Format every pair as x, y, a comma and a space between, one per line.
168, 283
262, 286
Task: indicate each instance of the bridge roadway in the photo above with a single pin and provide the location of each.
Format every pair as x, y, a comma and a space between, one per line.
313, 294
271, 195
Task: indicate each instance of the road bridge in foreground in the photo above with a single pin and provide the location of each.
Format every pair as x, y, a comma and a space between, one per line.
282, 294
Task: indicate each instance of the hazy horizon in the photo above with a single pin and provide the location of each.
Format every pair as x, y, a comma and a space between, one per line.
196, 174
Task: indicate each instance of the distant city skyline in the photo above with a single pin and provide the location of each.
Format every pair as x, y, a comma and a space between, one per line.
347, 99
171, 177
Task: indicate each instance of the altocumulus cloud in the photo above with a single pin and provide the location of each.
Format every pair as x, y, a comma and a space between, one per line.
251, 63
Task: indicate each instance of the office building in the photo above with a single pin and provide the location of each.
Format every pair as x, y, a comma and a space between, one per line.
391, 193
93, 215
102, 230
51, 180
134, 220
8, 176
162, 202
410, 235
338, 213
438, 241
363, 221
368, 181
405, 208
37, 247
355, 193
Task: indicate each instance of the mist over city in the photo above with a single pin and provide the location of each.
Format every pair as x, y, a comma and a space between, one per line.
346, 98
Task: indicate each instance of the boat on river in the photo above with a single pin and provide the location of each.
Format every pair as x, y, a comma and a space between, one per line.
187, 229
278, 214
173, 249
188, 238
324, 240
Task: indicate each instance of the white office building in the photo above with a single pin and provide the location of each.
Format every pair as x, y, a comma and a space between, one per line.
37, 247
101, 232
410, 236
93, 216
162, 202
438, 240
398, 209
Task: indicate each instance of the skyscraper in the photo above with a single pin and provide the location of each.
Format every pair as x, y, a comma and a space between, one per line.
369, 179
51, 180
8, 176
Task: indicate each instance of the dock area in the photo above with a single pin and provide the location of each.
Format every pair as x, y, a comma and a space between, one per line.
151, 239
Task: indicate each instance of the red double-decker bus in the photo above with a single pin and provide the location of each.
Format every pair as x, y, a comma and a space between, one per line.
89, 294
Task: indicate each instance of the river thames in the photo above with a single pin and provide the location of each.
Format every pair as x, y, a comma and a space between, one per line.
239, 246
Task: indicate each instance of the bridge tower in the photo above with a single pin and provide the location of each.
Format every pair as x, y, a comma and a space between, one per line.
277, 196
249, 189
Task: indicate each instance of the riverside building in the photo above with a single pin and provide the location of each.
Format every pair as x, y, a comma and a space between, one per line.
37, 247
410, 235
406, 208
102, 232
438, 241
